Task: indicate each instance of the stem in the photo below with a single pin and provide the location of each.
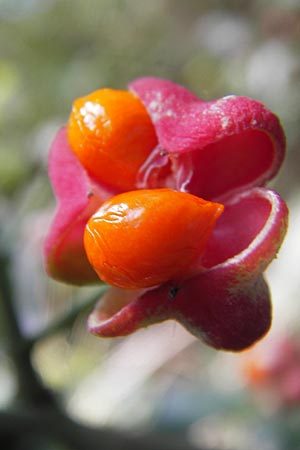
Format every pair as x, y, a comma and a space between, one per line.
30, 387
67, 319
80, 437
41, 416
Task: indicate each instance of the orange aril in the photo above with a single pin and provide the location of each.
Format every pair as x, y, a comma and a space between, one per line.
143, 238
112, 134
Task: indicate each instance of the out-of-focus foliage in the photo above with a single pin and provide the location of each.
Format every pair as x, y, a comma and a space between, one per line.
52, 51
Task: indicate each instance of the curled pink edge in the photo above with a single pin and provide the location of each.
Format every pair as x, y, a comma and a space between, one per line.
185, 123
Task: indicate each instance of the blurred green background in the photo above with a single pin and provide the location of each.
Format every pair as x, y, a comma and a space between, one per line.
52, 51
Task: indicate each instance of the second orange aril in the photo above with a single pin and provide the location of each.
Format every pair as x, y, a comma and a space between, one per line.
112, 134
144, 238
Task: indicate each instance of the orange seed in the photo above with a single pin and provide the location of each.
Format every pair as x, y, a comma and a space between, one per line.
112, 134
143, 238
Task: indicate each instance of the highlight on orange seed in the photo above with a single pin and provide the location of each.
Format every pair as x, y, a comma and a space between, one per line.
143, 238
112, 134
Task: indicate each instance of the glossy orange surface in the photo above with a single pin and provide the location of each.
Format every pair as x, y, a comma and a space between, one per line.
143, 238
111, 133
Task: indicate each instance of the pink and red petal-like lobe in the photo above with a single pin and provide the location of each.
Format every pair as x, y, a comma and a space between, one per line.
223, 314
78, 197
228, 305
121, 312
221, 146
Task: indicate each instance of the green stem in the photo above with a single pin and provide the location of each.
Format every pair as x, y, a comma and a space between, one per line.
30, 387
68, 318
41, 416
